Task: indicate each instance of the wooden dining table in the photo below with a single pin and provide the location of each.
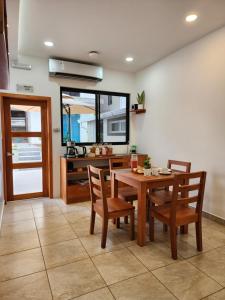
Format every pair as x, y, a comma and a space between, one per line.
142, 184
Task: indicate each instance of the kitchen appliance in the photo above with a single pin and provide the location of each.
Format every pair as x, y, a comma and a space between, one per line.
81, 151
71, 151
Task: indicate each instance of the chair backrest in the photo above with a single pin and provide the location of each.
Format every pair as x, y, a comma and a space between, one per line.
185, 164
97, 186
181, 191
119, 163
183, 167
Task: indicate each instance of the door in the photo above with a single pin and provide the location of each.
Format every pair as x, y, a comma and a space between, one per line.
27, 151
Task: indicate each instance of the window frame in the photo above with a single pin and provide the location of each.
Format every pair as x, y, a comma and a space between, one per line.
97, 115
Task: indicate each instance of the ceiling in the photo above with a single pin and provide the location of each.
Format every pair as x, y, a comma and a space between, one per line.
147, 30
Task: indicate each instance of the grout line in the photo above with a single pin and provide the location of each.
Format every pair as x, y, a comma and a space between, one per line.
11, 253
206, 274
92, 257
43, 257
212, 294
154, 275
21, 276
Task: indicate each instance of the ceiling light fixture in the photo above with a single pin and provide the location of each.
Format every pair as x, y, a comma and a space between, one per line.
93, 54
49, 44
129, 59
191, 18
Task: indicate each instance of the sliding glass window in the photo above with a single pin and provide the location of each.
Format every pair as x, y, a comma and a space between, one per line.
89, 117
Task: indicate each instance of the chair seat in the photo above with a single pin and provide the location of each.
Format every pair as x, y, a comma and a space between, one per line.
115, 205
127, 193
161, 197
184, 215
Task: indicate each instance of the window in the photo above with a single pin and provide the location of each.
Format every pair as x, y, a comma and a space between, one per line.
89, 117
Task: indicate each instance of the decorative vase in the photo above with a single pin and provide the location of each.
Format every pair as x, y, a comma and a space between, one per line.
140, 106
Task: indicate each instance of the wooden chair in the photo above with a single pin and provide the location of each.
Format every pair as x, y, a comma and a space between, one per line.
164, 195
125, 192
178, 212
106, 207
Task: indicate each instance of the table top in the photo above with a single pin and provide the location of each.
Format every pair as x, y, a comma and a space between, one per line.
127, 173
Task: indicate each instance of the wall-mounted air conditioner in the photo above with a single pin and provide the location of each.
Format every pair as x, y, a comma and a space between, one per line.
70, 69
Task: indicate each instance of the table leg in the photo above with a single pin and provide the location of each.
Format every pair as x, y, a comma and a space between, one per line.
141, 224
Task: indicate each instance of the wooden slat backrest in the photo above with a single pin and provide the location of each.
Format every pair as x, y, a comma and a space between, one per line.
97, 186
181, 191
187, 166
172, 164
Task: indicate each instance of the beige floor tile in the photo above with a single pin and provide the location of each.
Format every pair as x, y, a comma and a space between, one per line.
74, 280
217, 296
17, 216
78, 214
214, 237
186, 245
18, 242
55, 235
35, 287
152, 255
51, 222
92, 244
73, 207
63, 253
82, 227
122, 234
212, 263
43, 202
186, 282
118, 265
141, 287
102, 294
21, 263
46, 211
16, 208
18, 227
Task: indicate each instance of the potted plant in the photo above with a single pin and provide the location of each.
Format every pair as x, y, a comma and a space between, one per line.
147, 166
141, 100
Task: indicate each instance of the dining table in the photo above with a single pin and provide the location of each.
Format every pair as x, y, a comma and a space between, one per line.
143, 184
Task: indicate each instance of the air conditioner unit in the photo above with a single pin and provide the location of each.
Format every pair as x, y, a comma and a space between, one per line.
70, 69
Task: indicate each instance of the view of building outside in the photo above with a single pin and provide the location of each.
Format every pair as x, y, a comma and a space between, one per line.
79, 110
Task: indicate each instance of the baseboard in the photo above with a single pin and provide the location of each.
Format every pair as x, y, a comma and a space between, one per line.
213, 218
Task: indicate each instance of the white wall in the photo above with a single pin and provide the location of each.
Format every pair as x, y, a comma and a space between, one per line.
185, 119
45, 86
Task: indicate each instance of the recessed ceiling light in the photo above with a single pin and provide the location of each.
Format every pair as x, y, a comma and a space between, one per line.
93, 54
49, 44
191, 18
129, 59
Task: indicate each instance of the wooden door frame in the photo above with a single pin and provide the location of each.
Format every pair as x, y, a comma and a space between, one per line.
47, 100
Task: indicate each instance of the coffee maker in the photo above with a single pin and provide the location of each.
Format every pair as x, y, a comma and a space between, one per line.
71, 150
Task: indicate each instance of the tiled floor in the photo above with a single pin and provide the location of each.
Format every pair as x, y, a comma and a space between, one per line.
46, 252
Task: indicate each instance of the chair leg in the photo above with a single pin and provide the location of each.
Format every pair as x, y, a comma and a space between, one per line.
173, 241
118, 223
104, 232
147, 209
165, 228
132, 227
126, 220
151, 228
184, 229
198, 229
92, 224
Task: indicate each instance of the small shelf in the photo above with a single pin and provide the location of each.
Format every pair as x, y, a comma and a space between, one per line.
77, 173
138, 111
